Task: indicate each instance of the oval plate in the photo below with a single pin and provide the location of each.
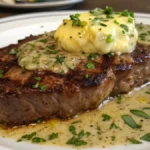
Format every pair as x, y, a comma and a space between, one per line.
15, 28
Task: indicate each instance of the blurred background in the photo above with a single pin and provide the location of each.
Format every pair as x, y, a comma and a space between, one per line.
9, 8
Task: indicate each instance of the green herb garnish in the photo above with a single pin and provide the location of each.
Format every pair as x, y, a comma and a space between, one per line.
147, 92
1, 74
106, 117
53, 136
92, 56
126, 13
119, 99
98, 130
72, 129
76, 141
113, 138
134, 141
114, 126
27, 136
110, 54
146, 108
97, 11
13, 51
36, 85
130, 122
146, 137
38, 78
108, 10
90, 65
125, 27
86, 76
78, 121
43, 87
109, 39
38, 140
116, 22
139, 113
76, 21
60, 59
130, 20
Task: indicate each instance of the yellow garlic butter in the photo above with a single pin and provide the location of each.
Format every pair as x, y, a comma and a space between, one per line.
101, 34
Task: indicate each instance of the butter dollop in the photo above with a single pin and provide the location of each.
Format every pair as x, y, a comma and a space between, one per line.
100, 31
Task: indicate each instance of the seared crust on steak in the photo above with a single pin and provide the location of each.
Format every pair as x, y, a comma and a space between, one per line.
69, 94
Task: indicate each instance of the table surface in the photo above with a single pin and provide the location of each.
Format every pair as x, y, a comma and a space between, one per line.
142, 6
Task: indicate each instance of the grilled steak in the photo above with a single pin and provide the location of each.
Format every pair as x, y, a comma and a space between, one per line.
69, 94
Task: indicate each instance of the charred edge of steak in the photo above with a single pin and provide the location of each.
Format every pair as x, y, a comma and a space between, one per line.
69, 94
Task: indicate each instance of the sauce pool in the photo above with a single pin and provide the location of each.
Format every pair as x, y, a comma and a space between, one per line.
103, 127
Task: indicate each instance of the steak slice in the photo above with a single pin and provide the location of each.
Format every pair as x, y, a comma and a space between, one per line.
69, 94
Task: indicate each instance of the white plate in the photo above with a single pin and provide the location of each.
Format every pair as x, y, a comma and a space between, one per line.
61, 4
15, 28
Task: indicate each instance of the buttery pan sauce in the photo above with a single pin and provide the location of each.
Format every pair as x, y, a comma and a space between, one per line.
102, 127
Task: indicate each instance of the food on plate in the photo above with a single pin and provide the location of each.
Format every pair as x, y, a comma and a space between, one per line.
71, 70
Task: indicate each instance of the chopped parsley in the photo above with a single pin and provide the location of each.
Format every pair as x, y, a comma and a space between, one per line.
108, 10
76, 139
134, 141
126, 13
53, 136
106, 117
1, 74
43, 87
92, 56
27, 136
125, 27
147, 92
146, 137
109, 39
114, 126
72, 129
116, 22
97, 11
119, 99
110, 54
102, 24
90, 65
36, 85
60, 59
38, 140
130, 20
130, 121
86, 76
113, 138
38, 78
13, 51
78, 121
139, 113
76, 21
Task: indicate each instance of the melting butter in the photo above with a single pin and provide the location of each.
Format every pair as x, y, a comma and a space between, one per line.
101, 34
102, 134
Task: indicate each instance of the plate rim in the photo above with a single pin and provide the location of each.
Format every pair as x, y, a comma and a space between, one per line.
54, 13
42, 4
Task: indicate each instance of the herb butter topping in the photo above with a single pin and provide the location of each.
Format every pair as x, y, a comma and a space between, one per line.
83, 36
43, 54
100, 31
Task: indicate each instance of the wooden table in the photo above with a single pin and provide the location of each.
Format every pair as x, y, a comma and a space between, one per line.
132, 5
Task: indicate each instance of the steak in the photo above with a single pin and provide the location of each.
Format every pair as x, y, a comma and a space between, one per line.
69, 94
